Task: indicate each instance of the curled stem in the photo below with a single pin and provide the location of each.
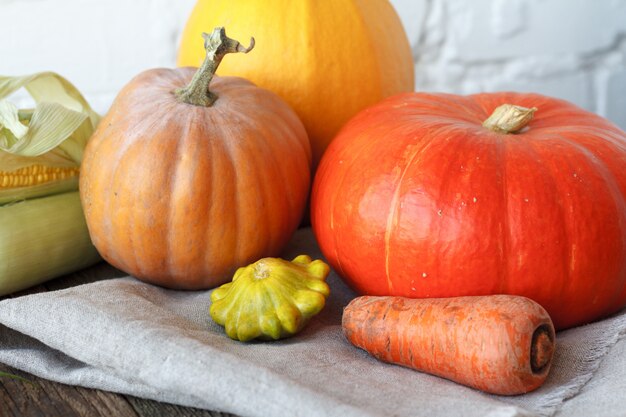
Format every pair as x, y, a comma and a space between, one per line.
217, 45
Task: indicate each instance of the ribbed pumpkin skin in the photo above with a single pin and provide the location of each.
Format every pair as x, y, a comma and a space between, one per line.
328, 59
415, 198
181, 195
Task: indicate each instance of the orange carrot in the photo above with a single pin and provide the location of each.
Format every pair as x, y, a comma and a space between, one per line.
500, 344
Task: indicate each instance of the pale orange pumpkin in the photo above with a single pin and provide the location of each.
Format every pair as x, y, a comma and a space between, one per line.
328, 59
180, 187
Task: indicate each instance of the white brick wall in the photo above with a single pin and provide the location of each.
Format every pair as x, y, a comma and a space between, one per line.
573, 49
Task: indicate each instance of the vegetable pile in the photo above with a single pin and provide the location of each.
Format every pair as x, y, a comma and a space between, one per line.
474, 225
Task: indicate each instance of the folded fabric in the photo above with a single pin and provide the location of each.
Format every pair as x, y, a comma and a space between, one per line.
119, 334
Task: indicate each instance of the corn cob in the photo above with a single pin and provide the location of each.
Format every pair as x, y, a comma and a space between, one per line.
43, 233
35, 175
35, 181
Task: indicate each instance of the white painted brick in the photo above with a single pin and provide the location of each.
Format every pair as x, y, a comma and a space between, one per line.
616, 98
413, 15
504, 29
98, 45
575, 88
572, 86
429, 46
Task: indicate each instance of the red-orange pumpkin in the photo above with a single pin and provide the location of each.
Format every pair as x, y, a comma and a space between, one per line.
416, 198
179, 190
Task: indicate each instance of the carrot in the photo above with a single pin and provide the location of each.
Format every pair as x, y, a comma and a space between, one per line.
500, 344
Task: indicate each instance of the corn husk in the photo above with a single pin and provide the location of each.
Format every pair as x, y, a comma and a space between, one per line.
42, 238
53, 134
42, 228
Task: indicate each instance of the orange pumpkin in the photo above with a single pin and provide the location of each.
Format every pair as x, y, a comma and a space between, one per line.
417, 197
328, 59
180, 187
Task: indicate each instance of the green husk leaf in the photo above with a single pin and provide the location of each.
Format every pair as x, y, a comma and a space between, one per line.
10, 126
43, 238
50, 87
62, 117
56, 158
12, 195
50, 125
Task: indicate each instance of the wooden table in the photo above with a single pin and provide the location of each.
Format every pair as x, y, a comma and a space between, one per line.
43, 398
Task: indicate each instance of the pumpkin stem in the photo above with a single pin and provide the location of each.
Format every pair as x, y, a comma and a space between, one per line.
509, 118
217, 45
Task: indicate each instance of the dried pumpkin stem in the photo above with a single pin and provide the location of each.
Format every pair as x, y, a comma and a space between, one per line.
509, 118
217, 45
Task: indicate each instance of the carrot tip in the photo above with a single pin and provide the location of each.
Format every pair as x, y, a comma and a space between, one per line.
541, 349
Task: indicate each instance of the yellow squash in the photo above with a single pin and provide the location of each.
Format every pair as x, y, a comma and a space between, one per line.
328, 59
271, 298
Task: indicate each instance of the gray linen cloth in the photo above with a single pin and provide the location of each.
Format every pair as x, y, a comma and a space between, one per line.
119, 334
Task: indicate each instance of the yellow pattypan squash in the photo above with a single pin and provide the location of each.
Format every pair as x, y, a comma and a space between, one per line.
271, 298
